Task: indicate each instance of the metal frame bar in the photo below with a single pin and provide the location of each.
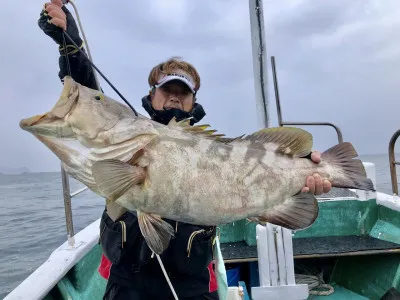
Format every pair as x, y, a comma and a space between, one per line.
67, 206
259, 62
393, 162
278, 107
64, 175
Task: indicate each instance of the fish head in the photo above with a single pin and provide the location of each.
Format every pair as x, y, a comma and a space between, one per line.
85, 126
88, 116
54, 123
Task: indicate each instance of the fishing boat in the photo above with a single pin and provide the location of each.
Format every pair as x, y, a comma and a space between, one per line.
352, 251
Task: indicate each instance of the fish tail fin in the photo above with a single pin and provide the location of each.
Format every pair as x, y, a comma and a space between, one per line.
348, 172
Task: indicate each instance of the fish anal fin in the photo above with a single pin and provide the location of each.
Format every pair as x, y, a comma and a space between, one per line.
291, 141
296, 213
155, 231
114, 177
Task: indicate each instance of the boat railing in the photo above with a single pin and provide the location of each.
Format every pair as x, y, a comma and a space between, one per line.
67, 204
279, 111
393, 162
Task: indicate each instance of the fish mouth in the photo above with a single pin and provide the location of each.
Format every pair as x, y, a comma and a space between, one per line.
53, 123
45, 125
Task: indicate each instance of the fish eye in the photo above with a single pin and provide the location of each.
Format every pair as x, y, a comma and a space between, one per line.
99, 97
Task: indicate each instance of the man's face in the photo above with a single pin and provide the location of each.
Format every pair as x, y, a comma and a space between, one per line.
173, 94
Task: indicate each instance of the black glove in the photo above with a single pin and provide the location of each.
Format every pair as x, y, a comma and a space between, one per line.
56, 33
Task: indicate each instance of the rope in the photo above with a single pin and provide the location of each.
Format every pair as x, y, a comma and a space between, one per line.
66, 56
315, 284
166, 276
91, 62
78, 18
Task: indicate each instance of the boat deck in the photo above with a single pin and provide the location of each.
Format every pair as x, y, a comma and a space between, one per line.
333, 244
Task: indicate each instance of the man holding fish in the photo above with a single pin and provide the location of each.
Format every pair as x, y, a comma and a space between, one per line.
128, 267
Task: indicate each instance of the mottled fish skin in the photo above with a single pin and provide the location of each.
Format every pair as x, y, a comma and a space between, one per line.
205, 182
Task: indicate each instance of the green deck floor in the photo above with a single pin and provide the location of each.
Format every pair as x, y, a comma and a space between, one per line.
340, 293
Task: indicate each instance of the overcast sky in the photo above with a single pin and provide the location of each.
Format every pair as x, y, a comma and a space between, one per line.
337, 61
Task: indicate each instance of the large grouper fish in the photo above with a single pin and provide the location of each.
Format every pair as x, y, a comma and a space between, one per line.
187, 173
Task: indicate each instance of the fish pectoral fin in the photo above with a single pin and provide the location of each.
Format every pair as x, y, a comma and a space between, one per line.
114, 177
297, 212
155, 231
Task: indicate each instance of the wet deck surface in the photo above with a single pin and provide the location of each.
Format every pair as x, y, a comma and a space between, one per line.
317, 246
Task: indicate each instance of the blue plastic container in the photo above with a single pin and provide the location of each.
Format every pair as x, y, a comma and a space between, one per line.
233, 276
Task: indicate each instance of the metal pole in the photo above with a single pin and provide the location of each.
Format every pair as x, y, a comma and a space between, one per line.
64, 176
393, 162
279, 110
278, 102
67, 206
259, 62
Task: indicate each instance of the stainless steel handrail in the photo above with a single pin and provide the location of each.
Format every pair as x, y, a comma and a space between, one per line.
393, 162
67, 206
65, 179
278, 107
79, 191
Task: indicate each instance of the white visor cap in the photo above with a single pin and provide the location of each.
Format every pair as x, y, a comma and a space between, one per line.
178, 75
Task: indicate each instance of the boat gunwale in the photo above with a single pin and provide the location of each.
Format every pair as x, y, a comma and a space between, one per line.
65, 257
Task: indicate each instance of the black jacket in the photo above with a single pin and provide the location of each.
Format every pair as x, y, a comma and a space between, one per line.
132, 263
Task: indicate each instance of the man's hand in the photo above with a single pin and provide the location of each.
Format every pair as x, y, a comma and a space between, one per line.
58, 16
316, 184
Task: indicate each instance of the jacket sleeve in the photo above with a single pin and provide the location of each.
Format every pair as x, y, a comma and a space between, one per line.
79, 65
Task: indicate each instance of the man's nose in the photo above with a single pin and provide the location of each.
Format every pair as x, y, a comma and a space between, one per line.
174, 99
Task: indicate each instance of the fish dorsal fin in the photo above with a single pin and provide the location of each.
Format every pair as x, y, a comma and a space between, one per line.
185, 126
290, 141
173, 123
226, 140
